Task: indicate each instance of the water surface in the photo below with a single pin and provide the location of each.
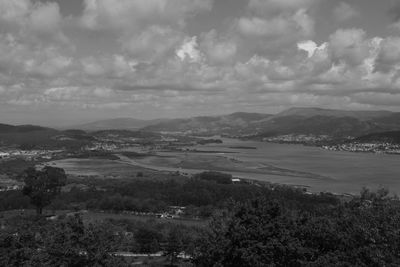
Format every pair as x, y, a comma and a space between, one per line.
348, 172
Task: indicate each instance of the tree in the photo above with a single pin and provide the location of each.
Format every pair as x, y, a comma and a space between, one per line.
41, 186
148, 239
254, 234
26, 242
174, 244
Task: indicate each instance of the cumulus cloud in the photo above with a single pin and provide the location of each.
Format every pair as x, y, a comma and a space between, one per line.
344, 11
14, 11
153, 43
349, 45
79, 94
264, 7
218, 50
308, 46
268, 33
107, 66
134, 54
45, 18
389, 55
133, 14
189, 50
147, 30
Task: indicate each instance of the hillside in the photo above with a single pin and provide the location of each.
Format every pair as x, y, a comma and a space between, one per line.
32, 136
117, 124
325, 125
6, 128
295, 121
392, 137
316, 121
311, 112
234, 124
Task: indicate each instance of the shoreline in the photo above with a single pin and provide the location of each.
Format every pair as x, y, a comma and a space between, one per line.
251, 180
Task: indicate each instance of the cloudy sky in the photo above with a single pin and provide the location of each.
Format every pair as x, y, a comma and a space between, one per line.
71, 61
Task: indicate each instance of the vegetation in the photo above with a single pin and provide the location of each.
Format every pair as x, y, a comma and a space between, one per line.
218, 177
363, 232
27, 242
41, 186
250, 224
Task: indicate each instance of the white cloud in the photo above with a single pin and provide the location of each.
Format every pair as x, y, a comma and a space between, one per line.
349, 45
344, 11
308, 46
133, 14
153, 43
274, 35
107, 66
218, 50
389, 55
62, 93
102, 92
14, 11
92, 67
189, 50
299, 23
266, 7
149, 54
45, 18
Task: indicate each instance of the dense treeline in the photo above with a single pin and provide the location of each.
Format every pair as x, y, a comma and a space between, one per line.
276, 229
362, 232
201, 195
252, 224
25, 241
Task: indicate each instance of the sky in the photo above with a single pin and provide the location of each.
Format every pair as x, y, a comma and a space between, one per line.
66, 62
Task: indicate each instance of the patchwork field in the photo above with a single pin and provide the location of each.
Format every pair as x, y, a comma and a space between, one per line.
104, 168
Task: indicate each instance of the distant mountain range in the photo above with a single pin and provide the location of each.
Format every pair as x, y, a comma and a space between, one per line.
6, 128
239, 123
117, 124
31, 136
316, 121
312, 112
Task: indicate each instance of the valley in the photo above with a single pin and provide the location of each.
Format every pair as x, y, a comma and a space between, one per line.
311, 156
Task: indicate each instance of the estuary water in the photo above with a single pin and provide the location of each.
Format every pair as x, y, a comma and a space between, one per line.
345, 172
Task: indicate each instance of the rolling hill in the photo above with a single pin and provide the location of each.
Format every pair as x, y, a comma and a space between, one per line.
234, 124
317, 121
298, 121
117, 124
392, 137
312, 112
32, 136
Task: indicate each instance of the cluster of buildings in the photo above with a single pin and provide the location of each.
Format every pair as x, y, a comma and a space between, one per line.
8, 184
12, 153
298, 138
376, 147
98, 146
12, 187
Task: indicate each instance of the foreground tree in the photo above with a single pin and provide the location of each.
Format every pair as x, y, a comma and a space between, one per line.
26, 242
362, 232
254, 234
41, 186
174, 244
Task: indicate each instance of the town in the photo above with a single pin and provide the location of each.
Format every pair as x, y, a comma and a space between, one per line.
307, 139
376, 147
